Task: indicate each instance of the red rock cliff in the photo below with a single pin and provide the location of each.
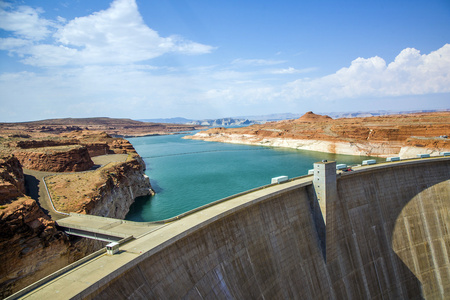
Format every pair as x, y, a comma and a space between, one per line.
56, 159
12, 183
30, 245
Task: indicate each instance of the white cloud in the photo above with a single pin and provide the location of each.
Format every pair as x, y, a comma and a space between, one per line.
144, 91
411, 73
10, 43
256, 62
24, 22
292, 70
117, 35
289, 70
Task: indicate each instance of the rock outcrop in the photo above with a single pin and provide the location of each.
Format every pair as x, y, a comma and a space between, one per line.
312, 117
72, 158
124, 182
121, 146
108, 191
67, 152
12, 182
29, 144
30, 245
404, 135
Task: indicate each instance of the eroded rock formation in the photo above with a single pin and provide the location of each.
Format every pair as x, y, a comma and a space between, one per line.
72, 158
12, 182
107, 192
67, 152
123, 184
30, 245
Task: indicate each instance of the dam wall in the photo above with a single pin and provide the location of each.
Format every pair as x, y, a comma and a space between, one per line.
387, 237
269, 249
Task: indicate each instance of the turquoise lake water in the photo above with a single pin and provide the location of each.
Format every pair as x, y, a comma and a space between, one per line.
187, 174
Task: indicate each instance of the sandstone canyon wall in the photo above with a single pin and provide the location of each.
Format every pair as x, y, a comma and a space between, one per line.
70, 152
56, 159
30, 245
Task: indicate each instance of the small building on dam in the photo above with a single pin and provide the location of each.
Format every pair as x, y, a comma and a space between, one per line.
379, 232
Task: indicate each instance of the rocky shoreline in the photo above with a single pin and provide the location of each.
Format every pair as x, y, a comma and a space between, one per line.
404, 136
346, 148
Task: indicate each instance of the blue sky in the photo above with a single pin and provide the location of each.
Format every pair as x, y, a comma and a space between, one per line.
201, 59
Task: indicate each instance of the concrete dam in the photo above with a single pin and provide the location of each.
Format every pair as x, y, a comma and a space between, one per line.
379, 232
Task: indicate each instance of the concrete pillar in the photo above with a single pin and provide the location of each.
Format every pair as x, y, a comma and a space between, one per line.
325, 185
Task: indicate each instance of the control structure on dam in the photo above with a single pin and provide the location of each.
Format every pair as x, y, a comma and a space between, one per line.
379, 232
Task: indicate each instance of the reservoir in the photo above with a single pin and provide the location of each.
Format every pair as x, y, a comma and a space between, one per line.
186, 174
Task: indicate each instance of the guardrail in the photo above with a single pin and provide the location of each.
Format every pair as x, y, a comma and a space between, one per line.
221, 200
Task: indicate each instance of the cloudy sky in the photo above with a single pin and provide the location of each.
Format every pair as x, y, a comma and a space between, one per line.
199, 59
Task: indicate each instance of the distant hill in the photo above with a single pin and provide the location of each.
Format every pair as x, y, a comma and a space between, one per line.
376, 113
83, 121
177, 120
112, 126
261, 119
223, 122
336, 115
271, 117
206, 122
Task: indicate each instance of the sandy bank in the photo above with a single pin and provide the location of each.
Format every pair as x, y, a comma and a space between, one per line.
384, 149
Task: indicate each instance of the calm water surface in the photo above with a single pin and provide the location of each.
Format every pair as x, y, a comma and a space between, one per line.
187, 174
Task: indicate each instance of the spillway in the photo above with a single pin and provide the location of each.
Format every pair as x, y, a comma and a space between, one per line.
385, 235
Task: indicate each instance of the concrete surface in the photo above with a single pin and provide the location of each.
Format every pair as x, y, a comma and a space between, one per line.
107, 226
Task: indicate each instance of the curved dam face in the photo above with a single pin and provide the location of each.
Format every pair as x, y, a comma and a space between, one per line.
387, 236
